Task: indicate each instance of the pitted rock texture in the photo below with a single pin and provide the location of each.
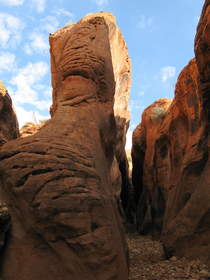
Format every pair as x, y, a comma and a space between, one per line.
149, 192
187, 221
57, 182
175, 197
122, 77
122, 74
9, 128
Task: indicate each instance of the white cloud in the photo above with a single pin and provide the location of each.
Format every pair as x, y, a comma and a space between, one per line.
145, 22
25, 116
128, 144
43, 104
39, 5
38, 43
50, 24
196, 19
167, 73
26, 82
7, 62
12, 2
136, 105
141, 93
62, 12
10, 27
101, 3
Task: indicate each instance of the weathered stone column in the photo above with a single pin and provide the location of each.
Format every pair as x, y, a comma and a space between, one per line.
57, 183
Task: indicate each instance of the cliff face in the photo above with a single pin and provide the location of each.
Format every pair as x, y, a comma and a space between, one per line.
172, 191
149, 192
122, 78
187, 221
57, 182
8, 122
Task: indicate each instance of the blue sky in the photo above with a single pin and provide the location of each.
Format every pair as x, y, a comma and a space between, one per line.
159, 35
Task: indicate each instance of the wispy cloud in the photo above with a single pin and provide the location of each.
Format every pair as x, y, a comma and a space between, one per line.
50, 24
196, 19
141, 93
12, 2
7, 62
128, 144
11, 28
101, 3
136, 105
62, 12
26, 82
145, 22
39, 5
167, 73
37, 43
25, 116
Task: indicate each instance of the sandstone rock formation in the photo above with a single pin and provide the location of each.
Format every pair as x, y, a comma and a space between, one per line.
147, 182
173, 187
122, 76
8, 122
57, 182
5, 224
31, 128
187, 221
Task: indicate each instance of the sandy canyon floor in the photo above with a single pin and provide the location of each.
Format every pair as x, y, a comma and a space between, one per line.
147, 262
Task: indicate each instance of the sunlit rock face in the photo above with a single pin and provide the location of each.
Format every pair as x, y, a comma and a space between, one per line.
173, 195
31, 128
122, 75
122, 78
58, 182
9, 128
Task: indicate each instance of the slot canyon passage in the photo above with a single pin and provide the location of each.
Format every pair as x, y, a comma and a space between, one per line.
71, 208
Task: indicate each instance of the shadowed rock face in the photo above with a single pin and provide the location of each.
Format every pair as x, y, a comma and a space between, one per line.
122, 76
149, 192
8, 122
174, 194
187, 221
57, 182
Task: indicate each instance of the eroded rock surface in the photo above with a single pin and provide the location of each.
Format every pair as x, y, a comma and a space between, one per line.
187, 221
122, 77
148, 188
8, 122
57, 182
31, 128
173, 187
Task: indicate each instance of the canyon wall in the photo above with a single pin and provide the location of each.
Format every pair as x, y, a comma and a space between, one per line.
9, 128
172, 156
146, 174
58, 182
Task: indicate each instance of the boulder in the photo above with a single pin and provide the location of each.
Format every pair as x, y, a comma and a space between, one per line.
57, 183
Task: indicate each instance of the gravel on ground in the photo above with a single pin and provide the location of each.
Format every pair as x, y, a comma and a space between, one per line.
147, 262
